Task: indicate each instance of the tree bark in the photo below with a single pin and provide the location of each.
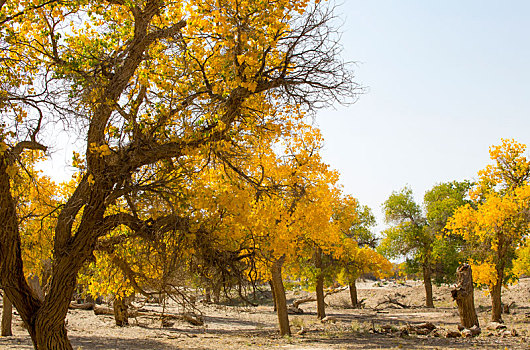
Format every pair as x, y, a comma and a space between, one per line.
428, 286
52, 338
353, 295
121, 316
464, 297
7, 317
273, 295
208, 295
279, 292
496, 304
321, 306
35, 285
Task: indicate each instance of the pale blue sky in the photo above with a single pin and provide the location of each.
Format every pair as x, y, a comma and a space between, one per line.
446, 79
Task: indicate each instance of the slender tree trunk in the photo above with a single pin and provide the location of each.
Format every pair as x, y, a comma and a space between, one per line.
321, 306
496, 302
35, 285
121, 316
208, 295
464, 296
279, 292
353, 295
7, 316
217, 292
273, 295
428, 286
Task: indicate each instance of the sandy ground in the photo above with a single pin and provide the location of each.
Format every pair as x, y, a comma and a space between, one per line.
236, 327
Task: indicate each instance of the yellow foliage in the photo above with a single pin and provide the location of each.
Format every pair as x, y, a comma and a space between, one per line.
497, 220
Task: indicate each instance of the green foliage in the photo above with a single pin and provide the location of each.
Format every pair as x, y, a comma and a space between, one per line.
418, 235
440, 204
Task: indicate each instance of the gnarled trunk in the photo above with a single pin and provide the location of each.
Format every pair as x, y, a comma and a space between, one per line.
464, 296
353, 295
428, 286
45, 318
45, 338
7, 316
279, 293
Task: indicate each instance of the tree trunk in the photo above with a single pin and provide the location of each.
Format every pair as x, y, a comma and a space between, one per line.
496, 305
34, 283
428, 286
44, 321
321, 306
121, 316
7, 317
208, 295
273, 295
353, 295
217, 293
279, 293
465, 299
51, 338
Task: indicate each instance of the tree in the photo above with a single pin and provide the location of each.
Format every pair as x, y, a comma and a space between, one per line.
358, 241
289, 226
497, 222
409, 237
146, 85
418, 235
440, 203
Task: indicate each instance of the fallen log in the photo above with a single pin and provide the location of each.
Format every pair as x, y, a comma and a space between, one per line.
298, 302
82, 306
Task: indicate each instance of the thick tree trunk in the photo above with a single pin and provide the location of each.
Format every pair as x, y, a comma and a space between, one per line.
121, 316
321, 306
279, 293
428, 286
353, 295
496, 304
51, 338
463, 294
273, 295
7, 317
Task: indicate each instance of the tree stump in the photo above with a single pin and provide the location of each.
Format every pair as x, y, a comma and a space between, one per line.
463, 295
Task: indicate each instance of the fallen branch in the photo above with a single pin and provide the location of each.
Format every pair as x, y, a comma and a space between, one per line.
189, 317
297, 302
390, 300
